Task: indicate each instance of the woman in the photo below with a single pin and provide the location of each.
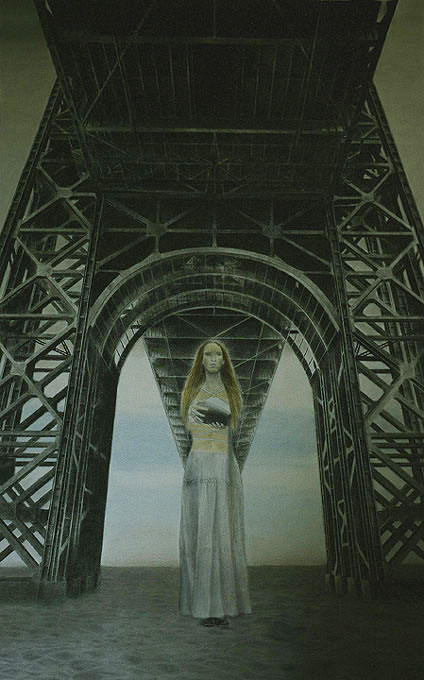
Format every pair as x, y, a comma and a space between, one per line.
213, 568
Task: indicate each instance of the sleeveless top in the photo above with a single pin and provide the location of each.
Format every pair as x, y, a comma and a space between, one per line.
210, 430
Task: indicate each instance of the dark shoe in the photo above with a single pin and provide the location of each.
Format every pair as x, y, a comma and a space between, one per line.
208, 622
222, 622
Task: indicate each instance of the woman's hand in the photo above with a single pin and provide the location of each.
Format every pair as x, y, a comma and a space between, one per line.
196, 413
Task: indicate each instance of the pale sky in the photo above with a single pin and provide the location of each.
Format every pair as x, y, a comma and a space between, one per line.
280, 477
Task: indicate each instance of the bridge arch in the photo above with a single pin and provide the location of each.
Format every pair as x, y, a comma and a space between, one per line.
258, 286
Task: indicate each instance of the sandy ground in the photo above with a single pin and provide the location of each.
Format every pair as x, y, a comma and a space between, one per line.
130, 629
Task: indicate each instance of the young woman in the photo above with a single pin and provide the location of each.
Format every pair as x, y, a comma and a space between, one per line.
213, 567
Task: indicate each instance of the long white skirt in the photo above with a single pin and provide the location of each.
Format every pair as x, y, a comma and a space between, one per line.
213, 565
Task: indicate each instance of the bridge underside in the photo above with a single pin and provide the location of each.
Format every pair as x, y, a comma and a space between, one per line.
202, 96
255, 351
213, 170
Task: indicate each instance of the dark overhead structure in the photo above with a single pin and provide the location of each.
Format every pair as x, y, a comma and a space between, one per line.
212, 169
203, 97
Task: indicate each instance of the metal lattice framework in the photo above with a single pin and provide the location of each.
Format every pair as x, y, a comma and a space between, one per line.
215, 98
45, 249
381, 252
212, 164
255, 351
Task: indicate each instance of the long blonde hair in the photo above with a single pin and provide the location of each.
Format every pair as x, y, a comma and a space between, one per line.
196, 378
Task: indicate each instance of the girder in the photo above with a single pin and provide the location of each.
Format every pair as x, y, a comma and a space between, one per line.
255, 351
58, 278
43, 268
381, 233
213, 99
157, 199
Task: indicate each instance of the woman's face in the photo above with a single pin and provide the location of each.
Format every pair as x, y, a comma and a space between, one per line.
213, 359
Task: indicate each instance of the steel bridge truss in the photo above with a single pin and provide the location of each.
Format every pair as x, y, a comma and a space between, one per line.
87, 268
247, 100
380, 251
255, 351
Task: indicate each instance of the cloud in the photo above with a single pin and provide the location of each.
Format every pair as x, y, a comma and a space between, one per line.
299, 479
157, 478
143, 439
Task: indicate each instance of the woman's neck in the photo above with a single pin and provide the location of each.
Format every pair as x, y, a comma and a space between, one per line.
213, 383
